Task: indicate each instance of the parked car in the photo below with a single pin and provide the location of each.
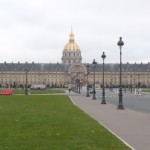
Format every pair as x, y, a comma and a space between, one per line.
38, 87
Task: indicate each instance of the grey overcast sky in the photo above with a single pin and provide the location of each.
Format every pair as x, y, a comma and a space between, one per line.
38, 30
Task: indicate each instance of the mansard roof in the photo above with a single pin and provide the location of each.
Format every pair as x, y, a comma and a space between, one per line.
59, 67
37, 67
112, 67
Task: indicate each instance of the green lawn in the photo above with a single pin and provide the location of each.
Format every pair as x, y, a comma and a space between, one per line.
47, 91
50, 123
146, 90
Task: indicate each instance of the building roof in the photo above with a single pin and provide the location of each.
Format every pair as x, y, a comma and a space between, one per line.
59, 67
37, 67
115, 67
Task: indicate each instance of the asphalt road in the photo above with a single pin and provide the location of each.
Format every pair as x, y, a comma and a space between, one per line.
130, 100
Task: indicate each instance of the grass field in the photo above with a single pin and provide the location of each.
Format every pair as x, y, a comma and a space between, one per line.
146, 90
50, 123
47, 91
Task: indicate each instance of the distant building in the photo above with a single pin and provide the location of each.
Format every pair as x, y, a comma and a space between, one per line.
71, 52
72, 70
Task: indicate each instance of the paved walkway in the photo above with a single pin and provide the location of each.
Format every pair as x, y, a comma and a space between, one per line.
131, 126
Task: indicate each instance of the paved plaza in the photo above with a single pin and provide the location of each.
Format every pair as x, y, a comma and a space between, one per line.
131, 125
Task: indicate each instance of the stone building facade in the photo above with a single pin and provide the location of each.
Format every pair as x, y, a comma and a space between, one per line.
72, 69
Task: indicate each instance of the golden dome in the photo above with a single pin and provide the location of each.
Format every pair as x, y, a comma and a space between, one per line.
71, 45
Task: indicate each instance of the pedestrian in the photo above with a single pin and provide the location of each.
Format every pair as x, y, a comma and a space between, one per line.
69, 90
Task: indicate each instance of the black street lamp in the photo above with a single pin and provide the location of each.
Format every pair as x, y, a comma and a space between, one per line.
120, 106
134, 84
26, 85
79, 86
111, 84
88, 72
131, 83
125, 84
139, 81
103, 92
78, 83
116, 83
94, 92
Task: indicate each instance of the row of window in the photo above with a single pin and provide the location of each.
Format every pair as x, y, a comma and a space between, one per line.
71, 54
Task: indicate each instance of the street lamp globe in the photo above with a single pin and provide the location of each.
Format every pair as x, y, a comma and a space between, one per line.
103, 56
120, 42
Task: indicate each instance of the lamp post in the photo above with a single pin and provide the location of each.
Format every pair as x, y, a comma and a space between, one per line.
79, 82
26, 85
139, 85
120, 106
131, 83
88, 71
139, 81
116, 84
94, 65
77, 85
134, 84
111, 84
125, 84
103, 92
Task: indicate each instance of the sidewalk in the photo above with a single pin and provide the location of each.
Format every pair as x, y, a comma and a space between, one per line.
131, 126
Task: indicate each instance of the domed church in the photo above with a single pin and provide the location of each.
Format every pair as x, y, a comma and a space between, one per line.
72, 70
71, 52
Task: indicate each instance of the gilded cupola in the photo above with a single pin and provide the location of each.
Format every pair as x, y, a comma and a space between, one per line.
71, 45
71, 51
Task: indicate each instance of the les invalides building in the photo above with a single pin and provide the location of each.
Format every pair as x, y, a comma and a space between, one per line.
72, 70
